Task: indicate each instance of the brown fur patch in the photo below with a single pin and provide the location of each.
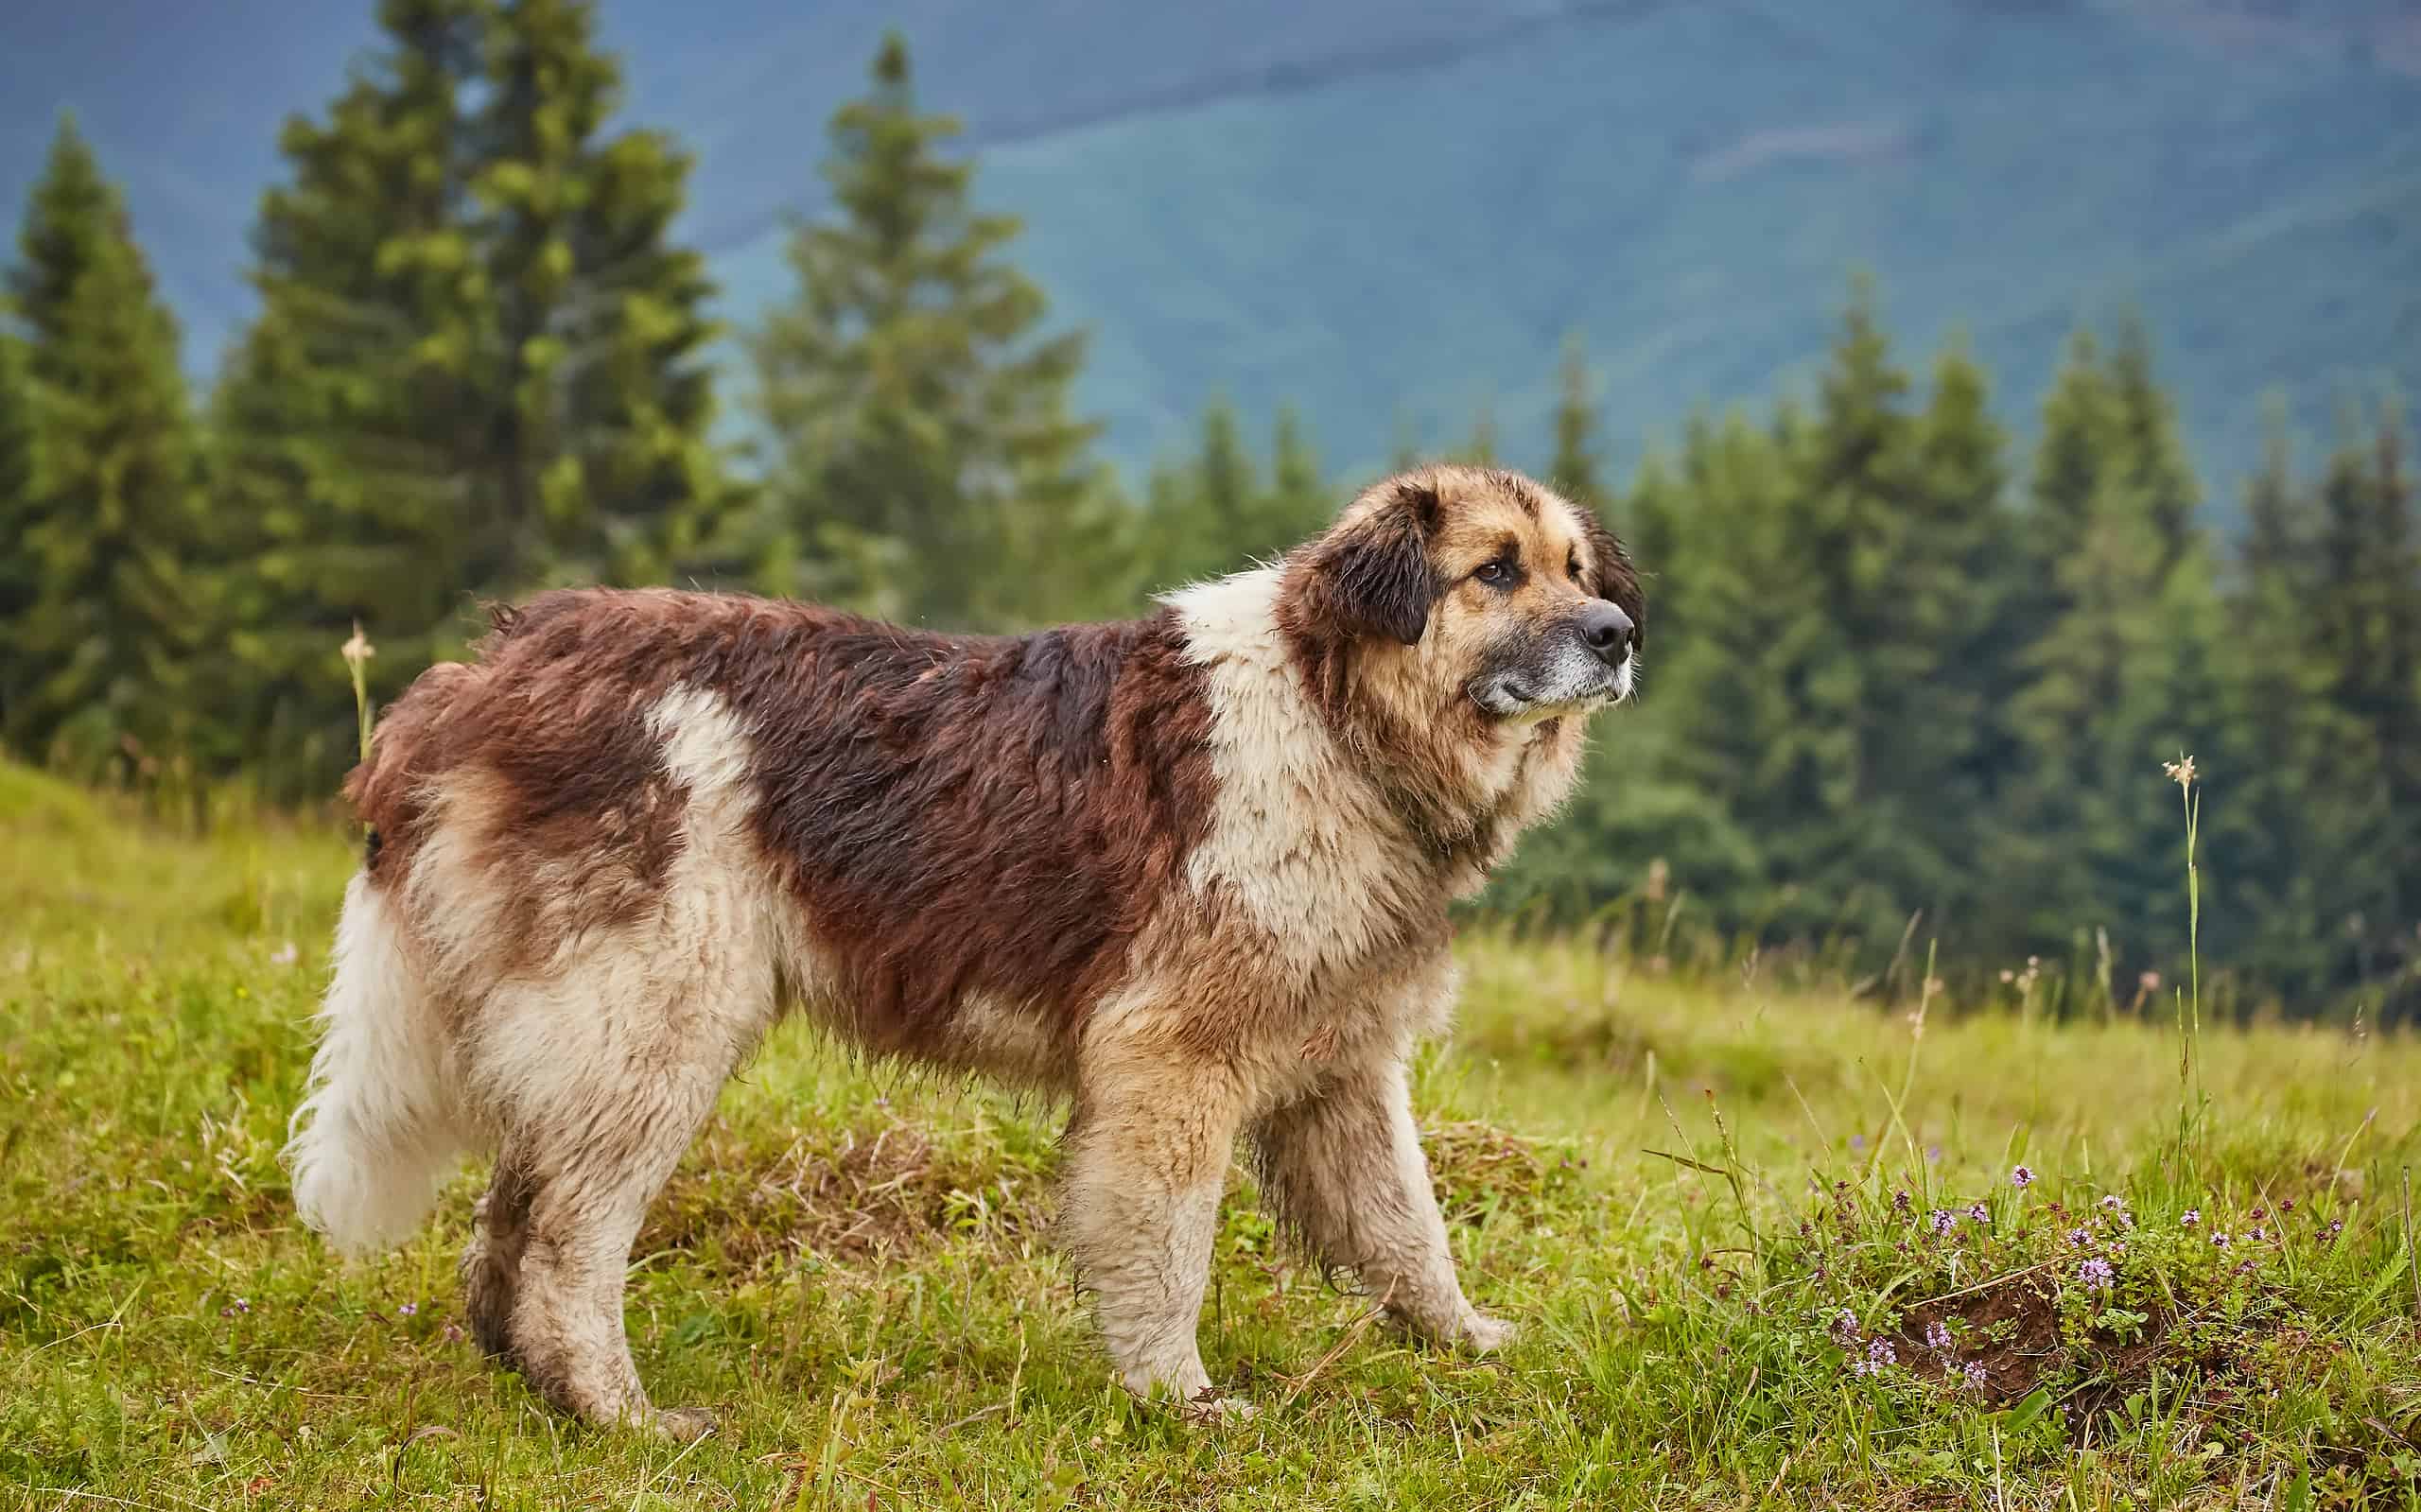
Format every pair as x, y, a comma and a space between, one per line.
953, 814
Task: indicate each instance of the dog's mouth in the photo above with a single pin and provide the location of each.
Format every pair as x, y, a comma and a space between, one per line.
1523, 695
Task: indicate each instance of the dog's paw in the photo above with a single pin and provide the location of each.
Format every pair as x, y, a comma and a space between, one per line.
1485, 1334
681, 1425
1207, 1406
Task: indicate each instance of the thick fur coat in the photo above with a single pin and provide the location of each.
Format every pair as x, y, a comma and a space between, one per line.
1190, 872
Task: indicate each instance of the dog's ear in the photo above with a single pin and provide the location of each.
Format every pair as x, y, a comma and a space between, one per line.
1611, 576
1373, 576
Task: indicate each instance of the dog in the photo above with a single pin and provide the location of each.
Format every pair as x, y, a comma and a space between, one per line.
1190, 871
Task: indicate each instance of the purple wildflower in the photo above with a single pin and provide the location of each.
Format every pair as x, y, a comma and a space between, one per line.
2220, 1239
1863, 1367
2335, 1227
1900, 1201
1980, 1214
1844, 1329
2258, 1234
406, 1310
1942, 1219
1976, 1376
2192, 1216
2021, 1178
2079, 1238
1938, 1335
1857, 1141
2097, 1275
1881, 1352
2288, 1206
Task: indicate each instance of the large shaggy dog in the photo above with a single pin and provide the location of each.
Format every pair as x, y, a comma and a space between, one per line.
1192, 871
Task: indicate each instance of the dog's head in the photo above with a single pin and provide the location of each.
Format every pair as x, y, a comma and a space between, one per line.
1481, 586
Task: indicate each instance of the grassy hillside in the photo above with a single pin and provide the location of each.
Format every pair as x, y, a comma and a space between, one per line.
1390, 215
1676, 1189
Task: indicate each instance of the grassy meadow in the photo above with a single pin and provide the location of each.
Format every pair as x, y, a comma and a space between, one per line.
1766, 1245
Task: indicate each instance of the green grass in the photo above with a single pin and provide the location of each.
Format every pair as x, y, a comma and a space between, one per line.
853, 1266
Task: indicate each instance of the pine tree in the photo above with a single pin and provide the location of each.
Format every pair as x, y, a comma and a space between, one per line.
1863, 845
98, 654
1577, 469
2067, 461
19, 583
348, 422
2368, 616
1215, 513
1299, 504
479, 366
2124, 673
2153, 455
2295, 829
925, 447
1962, 620
1480, 450
603, 400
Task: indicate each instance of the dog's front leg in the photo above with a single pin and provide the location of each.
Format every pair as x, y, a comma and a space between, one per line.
1148, 1150
1344, 1169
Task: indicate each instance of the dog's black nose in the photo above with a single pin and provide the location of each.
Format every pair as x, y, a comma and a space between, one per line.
1606, 631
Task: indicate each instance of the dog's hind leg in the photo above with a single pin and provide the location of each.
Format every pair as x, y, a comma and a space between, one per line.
492, 1260
1148, 1150
1344, 1169
584, 1165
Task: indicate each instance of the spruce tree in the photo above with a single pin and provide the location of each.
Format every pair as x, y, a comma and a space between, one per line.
1299, 504
924, 447
18, 580
1963, 623
1480, 450
2297, 825
105, 529
1577, 468
2068, 457
601, 397
1215, 513
2124, 672
348, 423
2152, 453
480, 365
2366, 611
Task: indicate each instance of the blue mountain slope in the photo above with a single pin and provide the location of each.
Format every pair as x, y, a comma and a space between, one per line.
1391, 212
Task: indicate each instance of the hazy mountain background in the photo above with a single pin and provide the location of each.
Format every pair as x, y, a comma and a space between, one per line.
1390, 214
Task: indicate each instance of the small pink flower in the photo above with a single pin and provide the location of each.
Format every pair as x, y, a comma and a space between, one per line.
2021, 1177
2192, 1216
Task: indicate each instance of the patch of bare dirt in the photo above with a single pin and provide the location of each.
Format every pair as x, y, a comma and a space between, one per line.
877, 1192
2011, 1328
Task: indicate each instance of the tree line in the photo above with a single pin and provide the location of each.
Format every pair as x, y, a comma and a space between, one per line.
1901, 684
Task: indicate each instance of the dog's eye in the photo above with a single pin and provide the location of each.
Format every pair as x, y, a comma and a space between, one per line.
1572, 566
1497, 574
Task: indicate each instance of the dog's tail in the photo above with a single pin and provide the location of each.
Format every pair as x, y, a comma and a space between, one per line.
378, 1129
